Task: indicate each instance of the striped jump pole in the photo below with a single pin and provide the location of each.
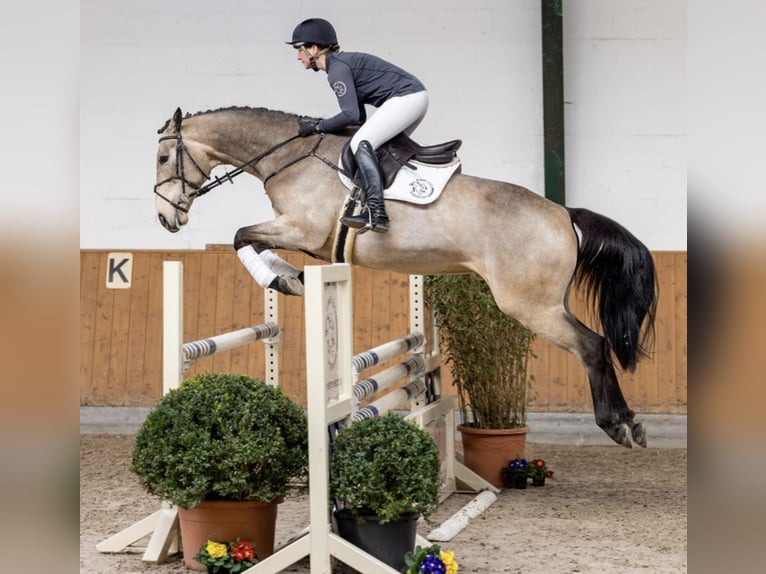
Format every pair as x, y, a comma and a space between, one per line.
228, 341
390, 401
176, 355
414, 367
386, 351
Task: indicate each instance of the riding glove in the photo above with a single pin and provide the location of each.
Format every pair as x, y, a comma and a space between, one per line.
308, 126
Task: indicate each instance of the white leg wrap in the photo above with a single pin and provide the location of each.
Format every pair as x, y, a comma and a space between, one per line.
277, 264
256, 266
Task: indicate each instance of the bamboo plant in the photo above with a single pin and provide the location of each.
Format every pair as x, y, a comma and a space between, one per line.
488, 351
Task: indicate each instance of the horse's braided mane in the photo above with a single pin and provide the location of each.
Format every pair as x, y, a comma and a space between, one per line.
238, 109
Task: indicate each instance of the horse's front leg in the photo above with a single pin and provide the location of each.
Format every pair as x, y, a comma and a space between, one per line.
254, 246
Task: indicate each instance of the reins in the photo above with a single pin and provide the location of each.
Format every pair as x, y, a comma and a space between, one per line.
229, 175
311, 153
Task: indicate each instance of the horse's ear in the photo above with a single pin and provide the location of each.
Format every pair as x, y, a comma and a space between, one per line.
177, 117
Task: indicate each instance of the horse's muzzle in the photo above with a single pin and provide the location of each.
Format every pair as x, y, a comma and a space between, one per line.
166, 225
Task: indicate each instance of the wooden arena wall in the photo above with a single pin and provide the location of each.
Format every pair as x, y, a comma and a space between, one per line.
121, 331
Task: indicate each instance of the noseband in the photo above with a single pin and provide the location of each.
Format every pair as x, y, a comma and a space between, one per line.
196, 190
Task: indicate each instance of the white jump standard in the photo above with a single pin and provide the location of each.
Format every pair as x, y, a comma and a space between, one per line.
333, 396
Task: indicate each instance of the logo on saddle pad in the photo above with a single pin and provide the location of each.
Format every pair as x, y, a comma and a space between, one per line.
421, 188
421, 185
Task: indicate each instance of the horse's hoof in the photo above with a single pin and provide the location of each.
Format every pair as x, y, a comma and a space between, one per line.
618, 432
622, 436
287, 285
639, 434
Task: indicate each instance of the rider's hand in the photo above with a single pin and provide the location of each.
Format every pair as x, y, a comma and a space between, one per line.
308, 126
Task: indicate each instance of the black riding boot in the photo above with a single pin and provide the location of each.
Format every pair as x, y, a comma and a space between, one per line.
374, 215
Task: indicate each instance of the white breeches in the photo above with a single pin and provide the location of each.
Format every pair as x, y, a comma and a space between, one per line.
400, 114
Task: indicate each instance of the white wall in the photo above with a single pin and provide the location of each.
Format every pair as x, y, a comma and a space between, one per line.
625, 110
481, 61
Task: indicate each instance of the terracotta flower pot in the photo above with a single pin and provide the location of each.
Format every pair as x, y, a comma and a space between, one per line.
224, 521
487, 451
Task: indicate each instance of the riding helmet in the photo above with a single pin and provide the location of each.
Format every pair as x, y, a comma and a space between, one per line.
314, 31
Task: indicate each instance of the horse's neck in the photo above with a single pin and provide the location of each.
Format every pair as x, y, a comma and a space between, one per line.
235, 138
239, 138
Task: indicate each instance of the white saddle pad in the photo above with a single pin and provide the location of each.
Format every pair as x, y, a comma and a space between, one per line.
421, 185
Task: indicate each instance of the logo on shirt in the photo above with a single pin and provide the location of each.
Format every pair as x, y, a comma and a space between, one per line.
339, 88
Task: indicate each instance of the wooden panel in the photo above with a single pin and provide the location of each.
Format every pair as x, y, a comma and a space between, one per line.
89, 276
137, 330
151, 386
121, 332
102, 385
242, 313
224, 313
665, 326
679, 346
363, 307
292, 356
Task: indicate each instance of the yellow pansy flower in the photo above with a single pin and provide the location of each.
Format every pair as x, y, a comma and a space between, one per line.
216, 549
449, 561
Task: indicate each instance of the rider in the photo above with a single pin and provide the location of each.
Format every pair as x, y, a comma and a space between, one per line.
358, 79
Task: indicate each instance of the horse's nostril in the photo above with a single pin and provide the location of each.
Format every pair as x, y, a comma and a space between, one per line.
166, 225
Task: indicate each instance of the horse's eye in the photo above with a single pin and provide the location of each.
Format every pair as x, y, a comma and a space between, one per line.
164, 159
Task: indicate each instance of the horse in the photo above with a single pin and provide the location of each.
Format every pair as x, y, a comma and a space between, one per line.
530, 250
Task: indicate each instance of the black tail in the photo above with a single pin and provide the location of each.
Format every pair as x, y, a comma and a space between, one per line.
617, 272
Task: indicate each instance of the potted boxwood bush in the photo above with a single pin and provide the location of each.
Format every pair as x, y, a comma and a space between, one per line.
384, 474
223, 448
488, 353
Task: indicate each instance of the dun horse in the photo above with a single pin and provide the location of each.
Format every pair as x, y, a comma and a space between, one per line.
529, 250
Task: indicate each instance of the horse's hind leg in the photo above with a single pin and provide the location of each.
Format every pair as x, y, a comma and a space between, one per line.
609, 405
611, 411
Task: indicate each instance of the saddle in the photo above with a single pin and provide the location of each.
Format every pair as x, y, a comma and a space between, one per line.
398, 151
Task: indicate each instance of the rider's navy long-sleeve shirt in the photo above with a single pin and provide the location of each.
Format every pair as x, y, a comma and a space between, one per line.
358, 79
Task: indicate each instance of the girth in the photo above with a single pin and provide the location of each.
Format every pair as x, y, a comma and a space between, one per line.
398, 151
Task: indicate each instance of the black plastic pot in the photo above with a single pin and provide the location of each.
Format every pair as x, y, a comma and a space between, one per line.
387, 542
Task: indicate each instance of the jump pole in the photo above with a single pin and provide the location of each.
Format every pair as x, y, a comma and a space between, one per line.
176, 356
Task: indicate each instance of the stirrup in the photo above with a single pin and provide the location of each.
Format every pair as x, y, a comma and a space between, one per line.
360, 221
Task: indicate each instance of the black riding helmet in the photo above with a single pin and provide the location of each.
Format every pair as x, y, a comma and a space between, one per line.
314, 31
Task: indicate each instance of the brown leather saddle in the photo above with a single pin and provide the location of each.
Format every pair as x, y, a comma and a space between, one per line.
398, 151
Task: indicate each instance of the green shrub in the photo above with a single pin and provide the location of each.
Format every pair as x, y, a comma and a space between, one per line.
221, 436
385, 466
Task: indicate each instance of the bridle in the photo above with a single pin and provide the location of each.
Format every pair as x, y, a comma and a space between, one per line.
186, 197
196, 190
